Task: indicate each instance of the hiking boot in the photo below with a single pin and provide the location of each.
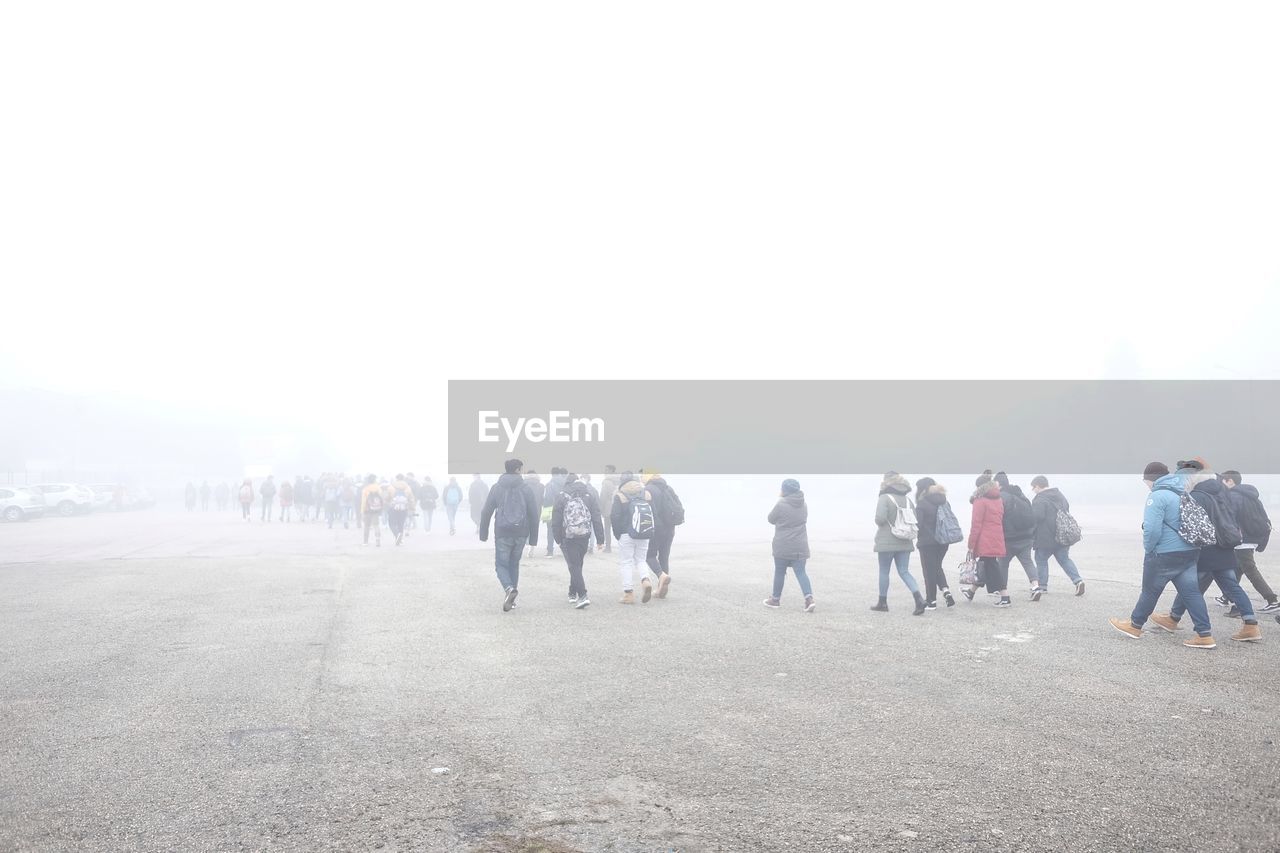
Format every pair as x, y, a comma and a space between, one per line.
1036, 593
510, 600
1250, 633
582, 602
628, 597
1165, 621
809, 604
646, 591
881, 606
1080, 587
920, 608
1126, 627
951, 602
1272, 607
772, 602
1198, 642
664, 581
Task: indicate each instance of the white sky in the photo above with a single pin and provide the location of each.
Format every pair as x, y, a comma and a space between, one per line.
196, 200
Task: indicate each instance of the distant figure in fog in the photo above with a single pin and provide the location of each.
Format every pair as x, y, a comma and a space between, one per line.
398, 507
347, 498
191, 497
221, 493
206, 491
477, 493
332, 494
371, 504
286, 501
246, 497
452, 499
790, 517
428, 497
268, 493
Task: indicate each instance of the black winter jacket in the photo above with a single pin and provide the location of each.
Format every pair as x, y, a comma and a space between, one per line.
1045, 508
497, 494
584, 491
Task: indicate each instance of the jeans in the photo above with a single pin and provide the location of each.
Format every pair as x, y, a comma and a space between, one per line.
631, 556
659, 556
780, 575
268, 505
428, 512
551, 541
574, 550
506, 559
935, 578
1028, 565
903, 560
1062, 554
1230, 586
1249, 568
451, 510
371, 523
1178, 568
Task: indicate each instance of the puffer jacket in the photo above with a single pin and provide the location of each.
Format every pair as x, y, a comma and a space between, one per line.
986, 529
1045, 506
1161, 517
893, 495
789, 517
1016, 539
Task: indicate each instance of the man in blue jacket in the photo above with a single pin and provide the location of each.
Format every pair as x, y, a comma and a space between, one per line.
1169, 558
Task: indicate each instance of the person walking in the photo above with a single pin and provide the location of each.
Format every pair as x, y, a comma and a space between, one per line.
539, 490
1169, 557
286, 502
371, 505
790, 520
398, 507
896, 530
452, 499
268, 493
1019, 531
549, 496
939, 530
427, 500
986, 540
515, 512
206, 492
631, 517
1255, 530
221, 494
1217, 562
668, 514
574, 518
608, 488
1046, 507
246, 498
191, 496
347, 499
476, 494
332, 495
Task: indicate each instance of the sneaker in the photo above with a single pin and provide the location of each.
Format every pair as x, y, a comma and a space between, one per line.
968, 593
1036, 593
772, 602
1223, 601
931, 605
1079, 587
510, 601
1250, 633
809, 604
628, 597
1273, 607
1004, 602
573, 599
646, 591
1198, 642
582, 602
1165, 621
664, 581
951, 602
1233, 613
1126, 627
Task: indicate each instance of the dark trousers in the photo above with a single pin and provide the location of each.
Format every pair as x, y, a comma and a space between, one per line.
396, 519
1249, 569
1230, 586
659, 558
996, 572
934, 576
574, 551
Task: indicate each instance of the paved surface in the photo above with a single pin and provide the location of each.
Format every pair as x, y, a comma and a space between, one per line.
173, 683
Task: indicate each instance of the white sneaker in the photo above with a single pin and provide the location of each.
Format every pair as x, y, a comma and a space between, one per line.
582, 602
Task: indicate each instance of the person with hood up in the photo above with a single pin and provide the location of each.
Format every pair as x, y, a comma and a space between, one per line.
1255, 530
986, 539
1019, 531
476, 494
286, 502
549, 498
191, 497
516, 514
268, 492
631, 517
427, 497
372, 502
931, 498
608, 487
246, 497
790, 520
399, 506
574, 518
1216, 563
1045, 507
451, 497
895, 515
1169, 558
668, 514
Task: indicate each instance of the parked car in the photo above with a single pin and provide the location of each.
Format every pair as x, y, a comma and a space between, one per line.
18, 503
117, 497
65, 498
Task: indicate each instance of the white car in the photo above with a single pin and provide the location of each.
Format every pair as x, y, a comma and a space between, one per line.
65, 498
19, 502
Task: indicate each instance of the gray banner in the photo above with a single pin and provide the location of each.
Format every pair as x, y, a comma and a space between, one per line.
863, 427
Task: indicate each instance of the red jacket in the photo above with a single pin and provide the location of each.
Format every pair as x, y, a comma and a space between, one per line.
986, 532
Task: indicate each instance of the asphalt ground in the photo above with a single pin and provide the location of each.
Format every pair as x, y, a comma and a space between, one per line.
174, 682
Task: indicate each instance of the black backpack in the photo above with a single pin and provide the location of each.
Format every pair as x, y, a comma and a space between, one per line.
1224, 520
1019, 517
669, 507
1255, 526
513, 514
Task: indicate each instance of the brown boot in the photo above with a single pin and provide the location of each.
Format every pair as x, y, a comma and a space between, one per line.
1165, 621
1124, 626
646, 591
1248, 634
1198, 642
628, 597
664, 581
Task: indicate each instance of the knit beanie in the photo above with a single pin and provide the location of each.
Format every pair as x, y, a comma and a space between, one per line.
1154, 471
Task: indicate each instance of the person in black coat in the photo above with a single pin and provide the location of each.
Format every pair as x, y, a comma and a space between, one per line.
1044, 508
930, 497
1019, 531
512, 529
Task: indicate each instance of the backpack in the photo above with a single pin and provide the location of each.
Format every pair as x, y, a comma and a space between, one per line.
904, 524
399, 502
1255, 526
1018, 517
1194, 524
947, 531
513, 515
672, 509
373, 503
577, 518
1224, 521
1067, 529
641, 523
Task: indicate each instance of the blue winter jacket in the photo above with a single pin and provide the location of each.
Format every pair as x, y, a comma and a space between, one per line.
1160, 520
